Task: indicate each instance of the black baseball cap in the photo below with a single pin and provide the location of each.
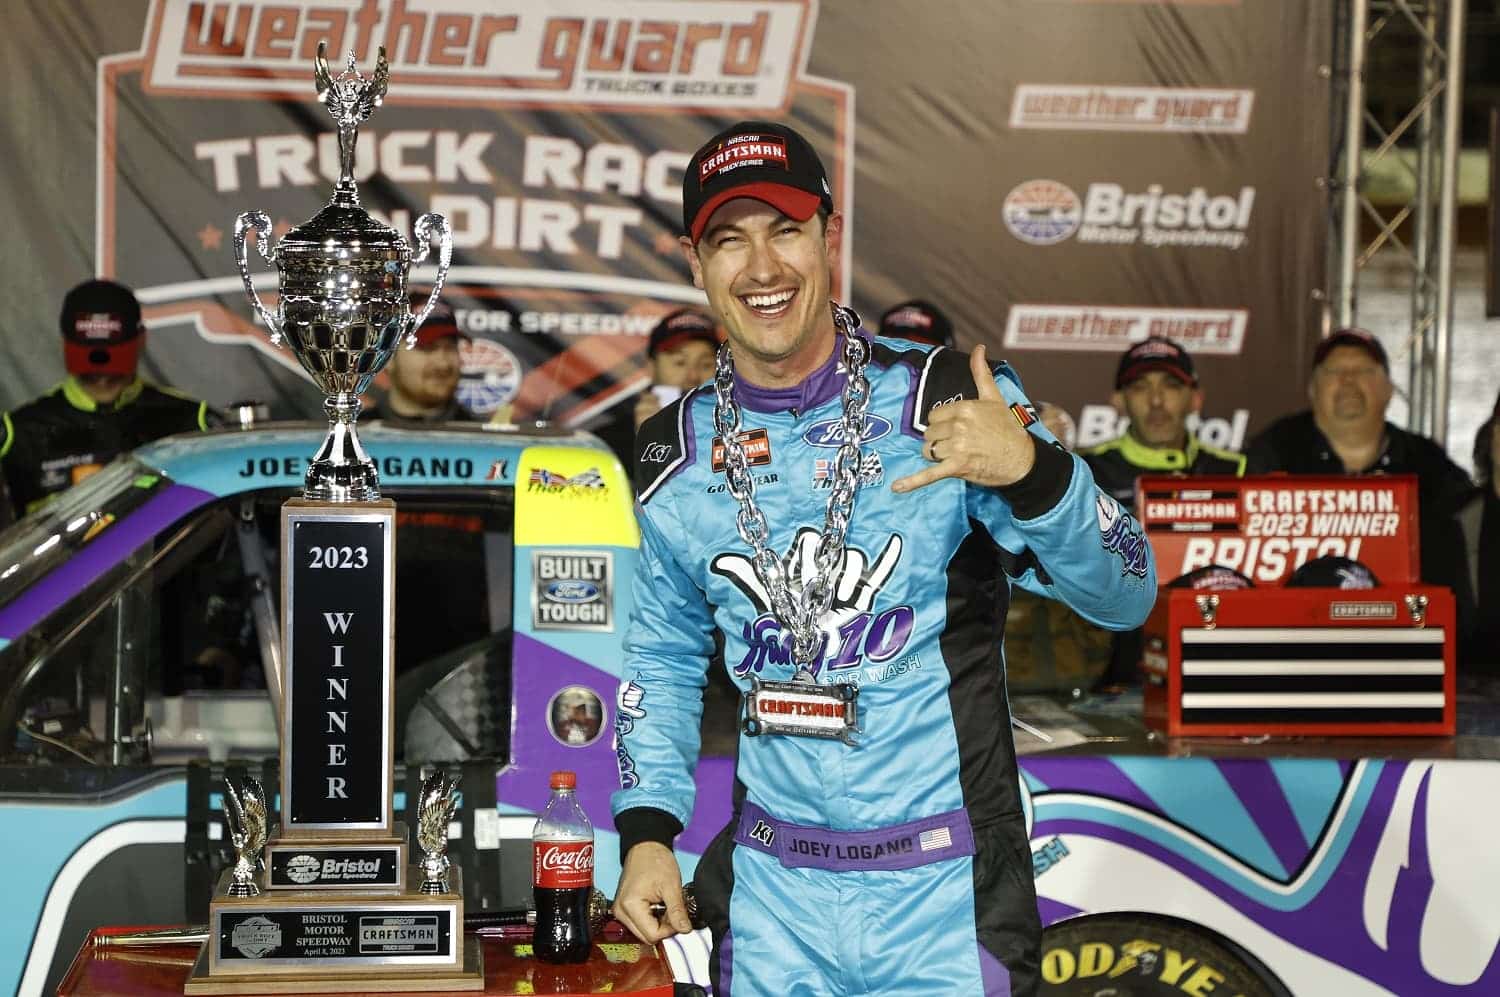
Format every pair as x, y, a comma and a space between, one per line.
917, 320
1333, 572
1155, 353
679, 327
1212, 578
758, 159
1352, 337
101, 328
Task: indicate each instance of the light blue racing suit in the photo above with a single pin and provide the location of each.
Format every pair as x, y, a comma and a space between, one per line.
898, 865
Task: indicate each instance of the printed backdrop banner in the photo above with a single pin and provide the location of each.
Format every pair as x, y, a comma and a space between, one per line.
1063, 177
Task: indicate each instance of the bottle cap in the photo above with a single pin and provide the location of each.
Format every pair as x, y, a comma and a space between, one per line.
564, 780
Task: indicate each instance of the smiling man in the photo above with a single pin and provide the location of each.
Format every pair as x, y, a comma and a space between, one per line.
849, 514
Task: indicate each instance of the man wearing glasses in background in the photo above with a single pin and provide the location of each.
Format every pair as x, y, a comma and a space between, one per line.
1346, 432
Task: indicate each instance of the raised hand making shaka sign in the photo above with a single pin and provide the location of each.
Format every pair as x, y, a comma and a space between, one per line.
980, 440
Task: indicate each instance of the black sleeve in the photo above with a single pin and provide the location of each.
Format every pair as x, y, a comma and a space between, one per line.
1261, 456
1044, 485
640, 824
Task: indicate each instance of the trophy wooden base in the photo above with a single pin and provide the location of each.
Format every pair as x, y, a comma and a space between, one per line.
351, 941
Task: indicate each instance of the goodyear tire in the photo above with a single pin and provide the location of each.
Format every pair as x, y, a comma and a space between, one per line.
1147, 955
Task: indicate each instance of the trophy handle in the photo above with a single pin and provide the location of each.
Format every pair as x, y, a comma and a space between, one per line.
424, 228
259, 223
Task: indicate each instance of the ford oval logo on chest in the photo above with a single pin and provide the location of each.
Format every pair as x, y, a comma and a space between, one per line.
830, 433
571, 591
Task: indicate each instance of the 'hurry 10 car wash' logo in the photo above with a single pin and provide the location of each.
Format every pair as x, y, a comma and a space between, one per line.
853, 632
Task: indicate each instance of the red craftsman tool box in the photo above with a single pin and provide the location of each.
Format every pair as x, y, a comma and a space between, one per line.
1286, 661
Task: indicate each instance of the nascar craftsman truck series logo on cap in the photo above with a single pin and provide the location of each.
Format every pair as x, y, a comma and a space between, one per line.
743, 150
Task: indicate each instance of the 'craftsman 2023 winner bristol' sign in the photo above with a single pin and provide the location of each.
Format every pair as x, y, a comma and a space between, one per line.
1267, 527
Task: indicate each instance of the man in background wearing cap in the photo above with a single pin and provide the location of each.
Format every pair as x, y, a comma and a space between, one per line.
1346, 432
918, 321
101, 410
1156, 388
681, 356
912, 834
424, 379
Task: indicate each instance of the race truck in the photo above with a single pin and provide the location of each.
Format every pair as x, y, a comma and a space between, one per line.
140, 641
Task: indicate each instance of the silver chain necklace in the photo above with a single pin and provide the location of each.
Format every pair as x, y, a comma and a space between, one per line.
800, 616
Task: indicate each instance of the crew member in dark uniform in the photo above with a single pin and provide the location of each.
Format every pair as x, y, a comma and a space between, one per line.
1157, 387
101, 410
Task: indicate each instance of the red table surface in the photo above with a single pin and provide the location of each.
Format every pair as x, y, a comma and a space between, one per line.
621, 968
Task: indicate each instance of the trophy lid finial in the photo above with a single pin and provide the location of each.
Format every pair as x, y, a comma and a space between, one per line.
351, 99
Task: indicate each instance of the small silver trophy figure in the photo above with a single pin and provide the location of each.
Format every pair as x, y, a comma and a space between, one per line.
343, 306
245, 813
434, 812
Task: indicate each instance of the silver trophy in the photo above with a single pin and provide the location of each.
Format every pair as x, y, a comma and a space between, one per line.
245, 813
434, 812
343, 306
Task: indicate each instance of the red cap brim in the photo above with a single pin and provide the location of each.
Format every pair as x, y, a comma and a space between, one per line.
798, 205
687, 335
427, 335
1135, 370
98, 358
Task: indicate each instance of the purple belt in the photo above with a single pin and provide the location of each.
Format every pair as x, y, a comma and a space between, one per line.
901, 846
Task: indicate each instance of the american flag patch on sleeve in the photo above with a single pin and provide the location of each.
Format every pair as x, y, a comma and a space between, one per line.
939, 837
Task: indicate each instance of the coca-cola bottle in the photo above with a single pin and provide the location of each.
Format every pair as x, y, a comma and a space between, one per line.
562, 875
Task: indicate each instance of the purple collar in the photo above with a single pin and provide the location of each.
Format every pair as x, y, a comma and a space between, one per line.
818, 387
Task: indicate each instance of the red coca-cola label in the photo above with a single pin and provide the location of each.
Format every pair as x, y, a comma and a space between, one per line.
562, 865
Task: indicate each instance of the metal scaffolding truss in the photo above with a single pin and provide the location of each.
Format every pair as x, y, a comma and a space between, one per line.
1428, 134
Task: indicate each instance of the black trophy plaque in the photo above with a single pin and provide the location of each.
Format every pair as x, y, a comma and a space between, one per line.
338, 669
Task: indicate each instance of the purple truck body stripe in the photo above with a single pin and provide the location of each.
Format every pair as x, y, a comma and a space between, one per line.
799, 847
109, 548
1271, 812
1322, 925
1055, 910
1095, 776
535, 752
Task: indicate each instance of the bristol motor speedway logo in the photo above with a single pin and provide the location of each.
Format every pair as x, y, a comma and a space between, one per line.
853, 632
489, 376
1046, 212
561, 218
